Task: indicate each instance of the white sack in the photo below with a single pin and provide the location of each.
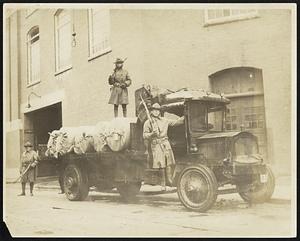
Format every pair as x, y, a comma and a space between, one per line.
118, 138
51, 145
100, 134
83, 140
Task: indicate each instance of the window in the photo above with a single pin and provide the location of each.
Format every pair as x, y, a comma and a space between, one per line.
30, 11
99, 41
217, 16
33, 56
63, 40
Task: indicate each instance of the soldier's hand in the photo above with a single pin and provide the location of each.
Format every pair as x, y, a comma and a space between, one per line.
33, 165
116, 84
154, 133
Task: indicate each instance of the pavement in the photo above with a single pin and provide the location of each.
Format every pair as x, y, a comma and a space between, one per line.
49, 214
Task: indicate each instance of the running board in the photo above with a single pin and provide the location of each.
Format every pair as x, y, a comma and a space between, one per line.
227, 191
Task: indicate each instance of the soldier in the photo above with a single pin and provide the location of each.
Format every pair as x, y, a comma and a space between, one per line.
29, 157
119, 80
156, 134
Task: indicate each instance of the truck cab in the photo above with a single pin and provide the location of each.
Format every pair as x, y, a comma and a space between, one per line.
204, 151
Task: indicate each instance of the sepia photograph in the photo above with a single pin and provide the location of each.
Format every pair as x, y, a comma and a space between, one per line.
149, 120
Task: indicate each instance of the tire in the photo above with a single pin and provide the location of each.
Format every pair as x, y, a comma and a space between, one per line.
75, 183
128, 191
261, 192
197, 188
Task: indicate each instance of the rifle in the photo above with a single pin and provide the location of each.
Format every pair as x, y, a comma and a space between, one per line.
22, 174
152, 122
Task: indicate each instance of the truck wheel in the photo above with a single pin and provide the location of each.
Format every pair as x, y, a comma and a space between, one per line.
128, 191
197, 188
260, 192
75, 183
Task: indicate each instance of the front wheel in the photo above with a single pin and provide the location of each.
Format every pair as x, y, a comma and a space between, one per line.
197, 188
75, 183
128, 191
260, 192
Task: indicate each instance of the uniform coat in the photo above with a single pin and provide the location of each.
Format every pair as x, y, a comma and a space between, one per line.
119, 80
160, 146
28, 158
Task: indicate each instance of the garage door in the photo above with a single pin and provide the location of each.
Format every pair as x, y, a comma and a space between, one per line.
244, 87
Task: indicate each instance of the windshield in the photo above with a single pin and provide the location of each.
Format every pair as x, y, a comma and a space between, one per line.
216, 120
245, 147
203, 117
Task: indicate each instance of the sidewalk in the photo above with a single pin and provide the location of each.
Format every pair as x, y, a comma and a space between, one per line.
283, 189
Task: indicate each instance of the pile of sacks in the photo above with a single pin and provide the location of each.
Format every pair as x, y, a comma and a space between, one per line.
104, 136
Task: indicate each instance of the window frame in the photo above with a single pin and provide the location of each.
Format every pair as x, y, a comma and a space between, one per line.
92, 55
59, 69
230, 18
29, 60
30, 11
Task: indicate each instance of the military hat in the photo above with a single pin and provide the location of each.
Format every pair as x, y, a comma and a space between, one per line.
27, 144
155, 106
118, 60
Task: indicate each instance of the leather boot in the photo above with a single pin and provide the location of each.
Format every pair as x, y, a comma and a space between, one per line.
116, 111
31, 188
124, 110
169, 175
23, 189
163, 178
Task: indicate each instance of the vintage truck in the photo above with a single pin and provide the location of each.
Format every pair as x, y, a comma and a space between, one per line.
207, 157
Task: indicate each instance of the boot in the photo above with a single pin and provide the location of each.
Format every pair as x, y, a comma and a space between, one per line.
23, 189
169, 175
163, 179
31, 188
61, 184
116, 111
125, 112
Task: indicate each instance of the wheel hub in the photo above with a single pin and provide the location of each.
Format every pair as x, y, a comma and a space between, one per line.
194, 185
70, 182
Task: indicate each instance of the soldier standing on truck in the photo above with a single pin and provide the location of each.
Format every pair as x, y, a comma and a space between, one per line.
29, 157
119, 80
155, 132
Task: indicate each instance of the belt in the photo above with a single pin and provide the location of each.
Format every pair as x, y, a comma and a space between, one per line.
159, 140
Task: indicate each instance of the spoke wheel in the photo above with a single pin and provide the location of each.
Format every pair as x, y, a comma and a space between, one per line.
260, 192
75, 183
128, 191
197, 188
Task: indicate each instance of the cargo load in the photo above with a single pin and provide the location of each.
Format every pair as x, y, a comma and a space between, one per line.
104, 136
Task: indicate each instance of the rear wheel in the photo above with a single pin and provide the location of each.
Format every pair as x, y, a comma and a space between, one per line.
260, 192
128, 191
75, 183
197, 188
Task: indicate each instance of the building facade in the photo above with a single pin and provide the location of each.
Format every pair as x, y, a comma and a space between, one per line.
58, 62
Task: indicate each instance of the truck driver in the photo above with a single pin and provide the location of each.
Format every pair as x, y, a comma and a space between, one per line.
163, 157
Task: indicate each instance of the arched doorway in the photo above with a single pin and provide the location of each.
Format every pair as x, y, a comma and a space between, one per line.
244, 87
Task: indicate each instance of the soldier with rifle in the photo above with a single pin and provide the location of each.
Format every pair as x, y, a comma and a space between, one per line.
29, 161
119, 80
155, 131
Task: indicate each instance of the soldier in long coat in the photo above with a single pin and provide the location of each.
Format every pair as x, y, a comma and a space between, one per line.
156, 135
119, 80
29, 157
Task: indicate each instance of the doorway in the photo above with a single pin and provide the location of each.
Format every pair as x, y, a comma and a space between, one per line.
38, 125
244, 87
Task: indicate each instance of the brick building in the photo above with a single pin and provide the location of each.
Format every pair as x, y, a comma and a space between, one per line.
58, 62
